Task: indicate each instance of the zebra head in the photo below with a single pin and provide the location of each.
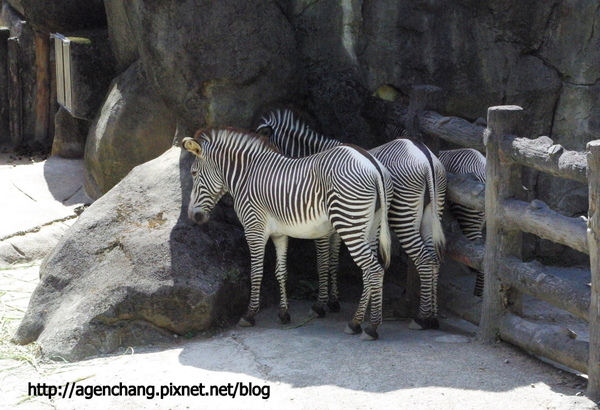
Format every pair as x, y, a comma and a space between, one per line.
207, 183
284, 128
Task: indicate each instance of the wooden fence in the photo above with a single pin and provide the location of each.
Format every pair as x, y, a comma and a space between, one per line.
507, 216
507, 277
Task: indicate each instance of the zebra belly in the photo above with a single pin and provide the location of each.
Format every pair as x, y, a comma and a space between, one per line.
304, 230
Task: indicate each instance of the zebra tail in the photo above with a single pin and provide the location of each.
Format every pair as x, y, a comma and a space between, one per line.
385, 237
431, 217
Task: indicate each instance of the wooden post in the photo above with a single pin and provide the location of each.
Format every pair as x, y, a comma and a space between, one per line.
42, 84
593, 234
503, 182
4, 79
15, 92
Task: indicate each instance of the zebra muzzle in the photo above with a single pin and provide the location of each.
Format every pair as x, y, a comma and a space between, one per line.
198, 216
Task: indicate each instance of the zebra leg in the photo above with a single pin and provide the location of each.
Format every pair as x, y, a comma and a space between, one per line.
361, 253
322, 244
281, 244
353, 327
405, 221
376, 286
334, 265
256, 242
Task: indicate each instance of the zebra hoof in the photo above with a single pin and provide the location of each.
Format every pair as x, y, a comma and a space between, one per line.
353, 328
424, 324
284, 318
334, 307
478, 293
316, 311
246, 322
369, 333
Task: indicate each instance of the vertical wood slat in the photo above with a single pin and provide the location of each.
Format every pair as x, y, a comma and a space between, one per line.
42, 83
593, 234
15, 92
4, 79
503, 181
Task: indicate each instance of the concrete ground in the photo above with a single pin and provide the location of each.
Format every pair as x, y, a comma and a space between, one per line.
310, 364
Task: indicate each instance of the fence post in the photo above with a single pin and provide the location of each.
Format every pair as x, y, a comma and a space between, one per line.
503, 181
593, 234
4, 110
42, 87
14, 92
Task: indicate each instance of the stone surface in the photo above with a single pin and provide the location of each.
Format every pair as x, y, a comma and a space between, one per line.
571, 45
133, 270
125, 49
133, 127
215, 63
62, 15
69, 135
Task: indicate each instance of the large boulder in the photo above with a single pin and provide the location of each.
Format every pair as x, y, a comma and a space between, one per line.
213, 62
134, 270
133, 127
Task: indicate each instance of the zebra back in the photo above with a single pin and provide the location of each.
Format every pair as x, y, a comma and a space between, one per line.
464, 161
293, 136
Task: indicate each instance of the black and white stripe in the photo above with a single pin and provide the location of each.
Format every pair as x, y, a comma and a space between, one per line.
415, 214
471, 221
343, 191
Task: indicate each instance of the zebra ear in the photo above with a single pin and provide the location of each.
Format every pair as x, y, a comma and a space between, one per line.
190, 144
265, 131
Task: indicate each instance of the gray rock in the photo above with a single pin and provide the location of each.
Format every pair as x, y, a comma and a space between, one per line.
133, 270
577, 116
69, 135
133, 127
62, 15
214, 63
571, 44
123, 44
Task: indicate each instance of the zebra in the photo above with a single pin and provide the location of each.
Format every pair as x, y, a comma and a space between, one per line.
343, 190
415, 214
471, 221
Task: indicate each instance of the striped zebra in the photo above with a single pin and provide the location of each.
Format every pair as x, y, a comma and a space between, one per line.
471, 221
343, 190
415, 214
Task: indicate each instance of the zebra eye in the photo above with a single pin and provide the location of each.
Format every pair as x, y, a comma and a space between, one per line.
194, 173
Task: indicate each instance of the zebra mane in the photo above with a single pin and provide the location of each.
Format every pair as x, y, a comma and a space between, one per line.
394, 131
236, 138
289, 118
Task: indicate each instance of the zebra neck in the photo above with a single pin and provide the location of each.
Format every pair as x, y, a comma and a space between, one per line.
237, 168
